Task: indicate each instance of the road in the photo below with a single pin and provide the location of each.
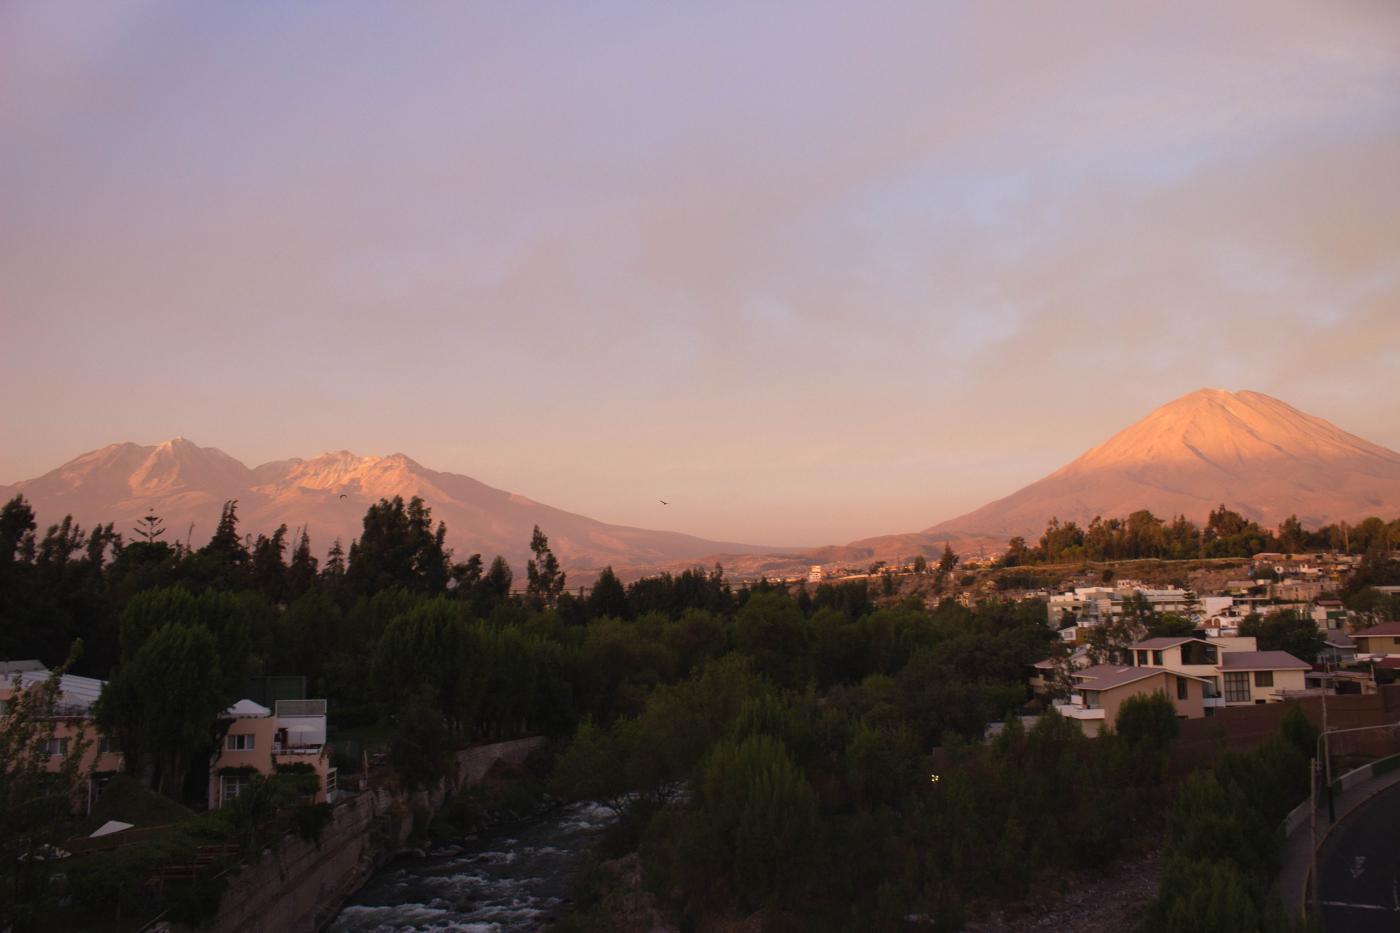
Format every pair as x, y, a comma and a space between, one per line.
1359, 869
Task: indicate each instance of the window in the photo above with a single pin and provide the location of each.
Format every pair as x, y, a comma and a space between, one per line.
57, 748
1193, 652
1263, 678
1091, 699
1236, 687
1142, 659
1157, 658
106, 746
232, 785
1181, 690
239, 743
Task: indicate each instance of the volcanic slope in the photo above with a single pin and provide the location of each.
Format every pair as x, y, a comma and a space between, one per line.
1256, 454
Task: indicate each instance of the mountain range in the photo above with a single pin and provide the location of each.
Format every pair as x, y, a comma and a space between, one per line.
186, 485
1251, 452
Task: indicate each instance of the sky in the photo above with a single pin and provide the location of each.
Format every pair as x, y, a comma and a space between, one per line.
810, 271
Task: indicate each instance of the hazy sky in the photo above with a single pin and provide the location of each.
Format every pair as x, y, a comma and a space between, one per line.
810, 272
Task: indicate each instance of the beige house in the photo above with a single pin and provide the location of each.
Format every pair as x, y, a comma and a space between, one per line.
1380, 639
1261, 676
1237, 672
260, 741
1102, 689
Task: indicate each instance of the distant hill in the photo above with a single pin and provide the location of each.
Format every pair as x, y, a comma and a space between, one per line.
187, 485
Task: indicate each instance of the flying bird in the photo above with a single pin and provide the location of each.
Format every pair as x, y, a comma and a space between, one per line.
342, 495
663, 501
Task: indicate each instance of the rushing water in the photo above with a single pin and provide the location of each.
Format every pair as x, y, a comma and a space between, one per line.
509, 879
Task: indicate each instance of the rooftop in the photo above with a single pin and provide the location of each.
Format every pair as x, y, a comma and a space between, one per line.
75, 694
1108, 676
1261, 661
1385, 628
1157, 644
247, 709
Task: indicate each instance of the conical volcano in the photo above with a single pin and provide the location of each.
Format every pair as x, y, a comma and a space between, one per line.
1246, 450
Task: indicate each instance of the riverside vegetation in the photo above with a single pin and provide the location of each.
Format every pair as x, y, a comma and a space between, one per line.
808, 757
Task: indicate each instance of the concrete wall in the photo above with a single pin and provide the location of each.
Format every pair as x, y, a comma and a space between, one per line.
1241, 728
298, 887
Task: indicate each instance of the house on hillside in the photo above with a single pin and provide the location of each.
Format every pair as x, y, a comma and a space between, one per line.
1378, 640
1199, 675
1101, 690
258, 740
1262, 676
74, 730
1339, 648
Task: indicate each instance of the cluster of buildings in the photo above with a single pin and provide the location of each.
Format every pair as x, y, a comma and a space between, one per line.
1214, 666
254, 739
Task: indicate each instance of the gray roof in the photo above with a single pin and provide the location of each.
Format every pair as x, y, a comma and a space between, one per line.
1339, 639
1108, 676
1261, 661
1385, 628
1157, 644
75, 694
10, 668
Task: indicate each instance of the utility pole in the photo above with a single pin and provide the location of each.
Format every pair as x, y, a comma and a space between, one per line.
1312, 812
1327, 749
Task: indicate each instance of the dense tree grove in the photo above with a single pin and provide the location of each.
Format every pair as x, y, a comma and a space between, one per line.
1223, 844
1226, 534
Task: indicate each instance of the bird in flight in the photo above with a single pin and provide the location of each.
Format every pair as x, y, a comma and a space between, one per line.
663, 501
342, 495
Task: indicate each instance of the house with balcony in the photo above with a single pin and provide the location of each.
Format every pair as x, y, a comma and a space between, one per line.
74, 730
1101, 690
259, 740
1238, 673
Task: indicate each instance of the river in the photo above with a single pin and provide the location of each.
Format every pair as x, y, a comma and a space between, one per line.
507, 879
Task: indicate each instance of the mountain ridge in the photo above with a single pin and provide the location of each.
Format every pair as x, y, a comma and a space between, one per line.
1246, 450
187, 485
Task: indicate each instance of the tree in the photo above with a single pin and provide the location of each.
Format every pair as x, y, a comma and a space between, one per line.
948, 561
545, 579
1148, 720
608, 598
421, 751
269, 572
1285, 631
35, 803
164, 701
759, 815
301, 573
334, 570
1016, 553
1109, 641
495, 586
226, 544
400, 547
771, 630
1170, 625
591, 768
149, 528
